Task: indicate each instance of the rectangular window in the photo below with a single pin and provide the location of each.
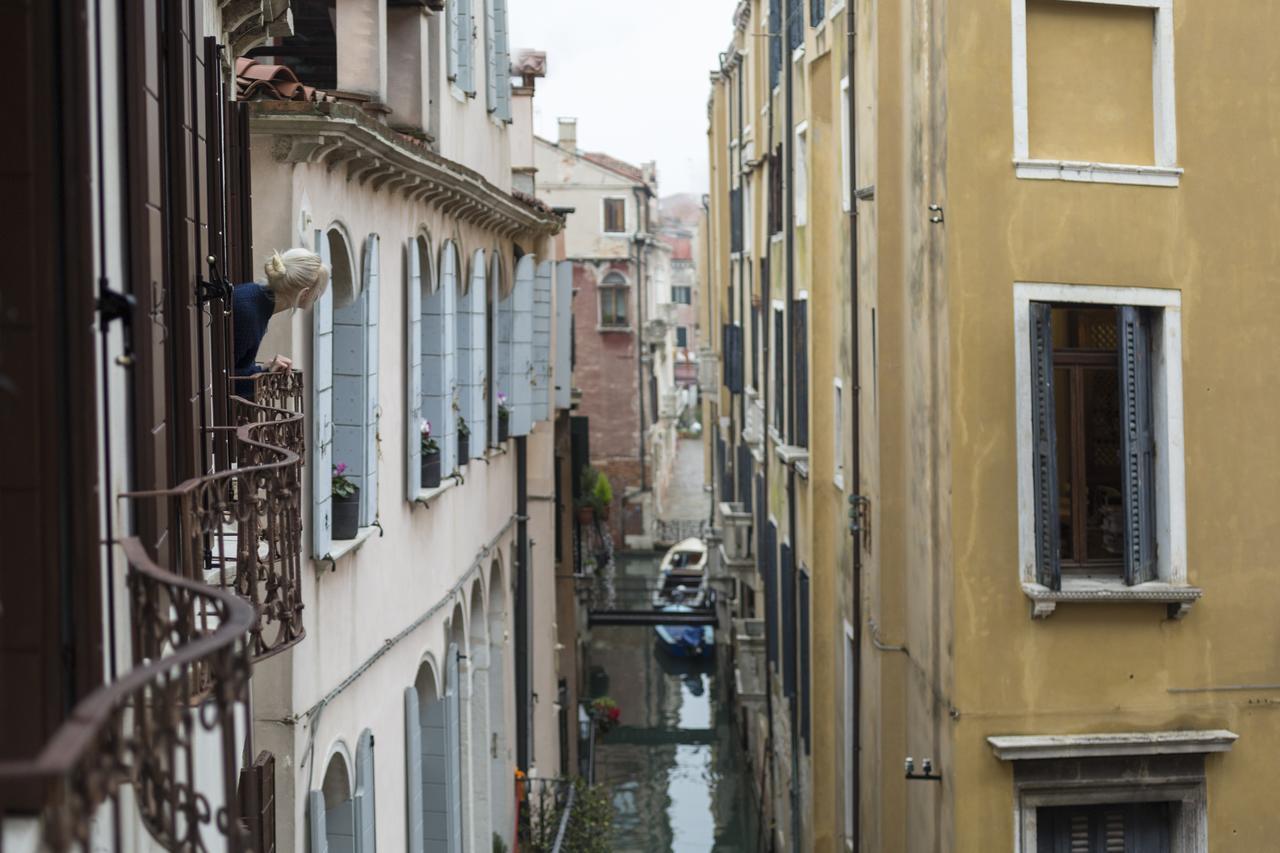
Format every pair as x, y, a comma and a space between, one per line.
800, 190
1093, 88
846, 201
682, 337
775, 213
787, 597
779, 371
682, 295
775, 42
755, 347
837, 433
735, 220
613, 305
806, 717
615, 216
1118, 828
800, 354
795, 24
1101, 482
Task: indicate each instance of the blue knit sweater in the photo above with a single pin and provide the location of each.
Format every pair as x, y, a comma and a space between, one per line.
251, 306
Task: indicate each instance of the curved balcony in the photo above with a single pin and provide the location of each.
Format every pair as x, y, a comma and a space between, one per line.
146, 728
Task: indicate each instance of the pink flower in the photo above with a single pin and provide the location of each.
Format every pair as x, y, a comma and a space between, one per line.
340, 468
426, 428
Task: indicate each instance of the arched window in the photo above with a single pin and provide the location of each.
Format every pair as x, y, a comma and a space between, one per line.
615, 294
344, 383
363, 804
429, 357
331, 810
468, 395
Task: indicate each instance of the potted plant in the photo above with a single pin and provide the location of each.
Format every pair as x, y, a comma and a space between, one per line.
504, 417
606, 713
346, 504
430, 458
586, 495
602, 496
464, 441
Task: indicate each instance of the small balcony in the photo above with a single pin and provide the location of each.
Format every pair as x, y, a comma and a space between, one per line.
736, 522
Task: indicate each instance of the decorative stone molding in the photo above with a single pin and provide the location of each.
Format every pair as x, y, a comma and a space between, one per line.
1110, 745
1044, 600
345, 138
249, 23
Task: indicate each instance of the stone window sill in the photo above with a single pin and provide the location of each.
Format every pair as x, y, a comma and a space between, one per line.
340, 548
1178, 597
425, 496
1098, 173
790, 454
625, 330
1111, 745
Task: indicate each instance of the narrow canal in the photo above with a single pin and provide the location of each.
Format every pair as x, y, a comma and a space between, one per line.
672, 767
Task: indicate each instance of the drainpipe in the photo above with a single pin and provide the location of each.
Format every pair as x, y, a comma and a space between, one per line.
789, 153
855, 435
706, 210
742, 274
639, 242
766, 290
524, 655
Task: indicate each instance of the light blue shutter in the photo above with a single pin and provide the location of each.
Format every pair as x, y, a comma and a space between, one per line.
502, 46
413, 376
365, 813
506, 331
453, 751
522, 360
454, 27
439, 353
316, 827
466, 46
564, 335
473, 318
413, 771
340, 825
322, 414
372, 269
542, 342
490, 56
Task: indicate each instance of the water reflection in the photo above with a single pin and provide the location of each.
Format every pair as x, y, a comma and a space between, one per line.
672, 765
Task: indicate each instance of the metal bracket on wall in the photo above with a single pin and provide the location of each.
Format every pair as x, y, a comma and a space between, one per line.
860, 518
938, 214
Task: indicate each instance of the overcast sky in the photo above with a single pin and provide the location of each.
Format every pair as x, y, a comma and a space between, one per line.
633, 72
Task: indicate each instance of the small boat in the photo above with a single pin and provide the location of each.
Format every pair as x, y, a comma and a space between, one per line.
685, 641
682, 576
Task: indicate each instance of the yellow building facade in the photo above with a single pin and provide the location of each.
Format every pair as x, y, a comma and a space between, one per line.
977, 485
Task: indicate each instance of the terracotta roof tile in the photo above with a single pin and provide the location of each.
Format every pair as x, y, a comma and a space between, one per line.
258, 82
614, 165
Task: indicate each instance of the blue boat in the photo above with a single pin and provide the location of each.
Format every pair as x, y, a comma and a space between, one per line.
685, 641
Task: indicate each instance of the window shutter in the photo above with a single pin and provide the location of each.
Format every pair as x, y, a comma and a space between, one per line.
316, 822
795, 24
439, 354
768, 562
788, 596
775, 42
1138, 445
454, 21
800, 319
453, 751
542, 409
563, 373
372, 266
522, 357
414, 824
491, 55
503, 46
365, 813
322, 414
466, 46
258, 802
817, 9
805, 687
479, 353
1048, 534
413, 376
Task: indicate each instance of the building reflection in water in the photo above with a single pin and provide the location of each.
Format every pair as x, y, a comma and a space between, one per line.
672, 767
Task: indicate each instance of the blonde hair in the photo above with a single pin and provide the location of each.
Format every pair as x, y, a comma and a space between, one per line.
294, 273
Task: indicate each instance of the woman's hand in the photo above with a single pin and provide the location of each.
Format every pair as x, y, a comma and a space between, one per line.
279, 363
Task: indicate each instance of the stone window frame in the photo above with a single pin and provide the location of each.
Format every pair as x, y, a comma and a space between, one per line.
604, 215
1113, 768
1165, 172
1172, 587
622, 289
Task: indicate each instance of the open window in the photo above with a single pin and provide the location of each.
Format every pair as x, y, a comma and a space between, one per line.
615, 294
1101, 483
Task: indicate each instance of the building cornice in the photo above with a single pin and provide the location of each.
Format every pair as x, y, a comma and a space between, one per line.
1111, 744
249, 23
342, 136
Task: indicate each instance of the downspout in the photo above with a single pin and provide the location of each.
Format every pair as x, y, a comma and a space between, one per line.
706, 297
641, 291
766, 289
855, 438
789, 149
742, 276
524, 657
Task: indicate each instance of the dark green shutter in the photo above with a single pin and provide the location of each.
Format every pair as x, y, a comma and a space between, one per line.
788, 595
1048, 571
800, 348
805, 667
768, 562
1138, 452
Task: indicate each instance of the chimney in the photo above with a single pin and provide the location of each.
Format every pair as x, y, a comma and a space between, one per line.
650, 172
569, 134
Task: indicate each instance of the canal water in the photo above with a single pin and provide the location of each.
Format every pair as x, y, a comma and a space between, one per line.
672, 767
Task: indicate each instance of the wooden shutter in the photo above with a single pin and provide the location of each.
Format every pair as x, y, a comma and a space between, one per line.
775, 43
795, 24
522, 357
365, 812
800, 322
316, 822
454, 25
817, 10
1044, 460
453, 751
322, 414
502, 46
466, 47
1138, 445
768, 562
490, 56
413, 376
258, 802
372, 298
806, 689
414, 816
475, 320
564, 335
542, 408
787, 582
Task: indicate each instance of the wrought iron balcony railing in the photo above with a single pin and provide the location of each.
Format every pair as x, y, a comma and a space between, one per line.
146, 728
